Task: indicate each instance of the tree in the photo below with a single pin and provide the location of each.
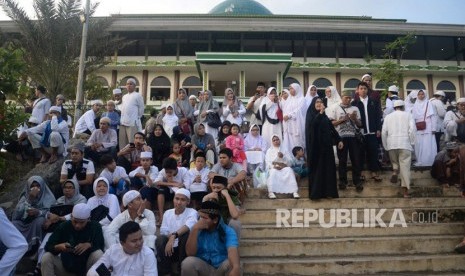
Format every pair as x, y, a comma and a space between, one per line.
51, 44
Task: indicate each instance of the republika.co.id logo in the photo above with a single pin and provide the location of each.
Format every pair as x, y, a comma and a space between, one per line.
361, 218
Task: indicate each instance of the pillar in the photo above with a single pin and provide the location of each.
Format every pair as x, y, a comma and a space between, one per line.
205, 79
242, 84
430, 85
306, 81
338, 82
461, 87
114, 78
279, 82
144, 84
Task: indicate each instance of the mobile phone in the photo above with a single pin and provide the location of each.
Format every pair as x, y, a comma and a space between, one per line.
132, 145
102, 270
69, 246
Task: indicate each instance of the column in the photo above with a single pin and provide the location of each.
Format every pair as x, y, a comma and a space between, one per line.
242, 84
338, 82
205, 79
145, 79
430, 85
279, 82
177, 81
114, 78
306, 81
461, 87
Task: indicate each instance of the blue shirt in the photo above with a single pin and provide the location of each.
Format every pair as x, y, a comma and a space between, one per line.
114, 117
211, 249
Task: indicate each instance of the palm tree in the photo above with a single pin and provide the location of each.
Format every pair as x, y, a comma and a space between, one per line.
51, 43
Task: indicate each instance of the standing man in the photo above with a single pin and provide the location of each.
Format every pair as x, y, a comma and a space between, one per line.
439, 106
346, 120
371, 124
398, 136
393, 92
254, 105
13, 245
41, 105
453, 119
132, 110
117, 96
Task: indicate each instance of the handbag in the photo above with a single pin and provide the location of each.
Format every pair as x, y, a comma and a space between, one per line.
213, 120
422, 125
100, 212
358, 132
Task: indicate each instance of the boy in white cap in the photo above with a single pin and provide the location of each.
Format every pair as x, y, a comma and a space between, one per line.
86, 124
135, 211
117, 96
392, 96
143, 179
453, 119
102, 141
398, 136
50, 137
113, 115
74, 246
438, 104
174, 231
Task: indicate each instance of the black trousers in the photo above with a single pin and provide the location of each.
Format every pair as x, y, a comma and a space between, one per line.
369, 153
438, 139
351, 148
164, 262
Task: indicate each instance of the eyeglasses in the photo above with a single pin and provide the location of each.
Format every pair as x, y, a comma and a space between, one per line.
254, 129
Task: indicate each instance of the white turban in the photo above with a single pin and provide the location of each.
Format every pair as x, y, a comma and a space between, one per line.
81, 211
130, 196
55, 109
117, 91
96, 102
366, 75
131, 80
461, 100
184, 192
146, 154
393, 88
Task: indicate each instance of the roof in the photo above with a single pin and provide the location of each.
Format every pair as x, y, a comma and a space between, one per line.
235, 7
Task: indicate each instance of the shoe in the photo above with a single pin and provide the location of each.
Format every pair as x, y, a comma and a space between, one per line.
271, 195
342, 186
296, 195
394, 179
359, 188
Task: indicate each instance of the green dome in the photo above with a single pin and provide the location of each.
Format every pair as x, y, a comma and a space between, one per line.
240, 7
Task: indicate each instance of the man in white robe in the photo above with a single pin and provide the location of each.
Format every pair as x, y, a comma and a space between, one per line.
86, 124
453, 118
14, 244
398, 136
440, 108
132, 109
128, 258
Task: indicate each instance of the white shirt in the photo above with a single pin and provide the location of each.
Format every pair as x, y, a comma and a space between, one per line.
172, 222
153, 173
139, 264
195, 186
228, 116
15, 243
255, 108
398, 131
365, 105
86, 122
108, 139
169, 122
110, 201
132, 109
119, 173
40, 108
147, 225
440, 109
62, 128
182, 177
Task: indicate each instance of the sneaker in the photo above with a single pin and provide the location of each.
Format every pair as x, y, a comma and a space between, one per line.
296, 195
271, 195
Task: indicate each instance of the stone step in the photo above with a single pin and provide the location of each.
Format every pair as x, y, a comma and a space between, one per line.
427, 181
422, 264
320, 247
259, 231
284, 217
371, 191
431, 202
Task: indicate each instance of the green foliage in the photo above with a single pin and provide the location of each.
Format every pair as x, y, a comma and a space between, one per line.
11, 68
11, 116
51, 44
95, 89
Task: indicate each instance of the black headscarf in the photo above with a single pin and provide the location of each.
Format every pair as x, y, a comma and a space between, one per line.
161, 146
221, 135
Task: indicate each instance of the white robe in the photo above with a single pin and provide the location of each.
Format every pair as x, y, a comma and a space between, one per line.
398, 131
280, 181
294, 127
169, 122
268, 129
425, 141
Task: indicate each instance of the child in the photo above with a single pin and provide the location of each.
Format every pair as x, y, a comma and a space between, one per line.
143, 179
112, 114
192, 163
170, 120
298, 163
235, 142
177, 155
116, 176
198, 180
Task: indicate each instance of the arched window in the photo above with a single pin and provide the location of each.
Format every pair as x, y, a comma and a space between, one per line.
288, 81
192, 85
321, 85
160, 89
351, 85
414, 85
122, 83
448, 88
103, 81
381, 85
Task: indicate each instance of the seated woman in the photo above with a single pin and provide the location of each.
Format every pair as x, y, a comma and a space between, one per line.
281, 178
235, 142
103, 197
204, 141
33, 205
255, 148
161, 144
222, 134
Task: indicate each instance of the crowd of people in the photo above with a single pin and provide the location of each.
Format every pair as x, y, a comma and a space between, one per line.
201, 156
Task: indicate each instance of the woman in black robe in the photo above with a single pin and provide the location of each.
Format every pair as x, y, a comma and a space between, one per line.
320, 138
160, 143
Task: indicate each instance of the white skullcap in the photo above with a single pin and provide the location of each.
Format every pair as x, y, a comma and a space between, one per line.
96, 102
440, 93
146, 154
184, 192
366, 75
117, 91
55, 109
130, 196
393, 88
33, 120
193, 97
81, 211
461, 100
131, 80
398, 103
105, 120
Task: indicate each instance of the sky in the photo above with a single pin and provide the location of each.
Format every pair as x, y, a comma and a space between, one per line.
414, 11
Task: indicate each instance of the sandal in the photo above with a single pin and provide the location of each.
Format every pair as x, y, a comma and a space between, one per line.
376, 178
394, 178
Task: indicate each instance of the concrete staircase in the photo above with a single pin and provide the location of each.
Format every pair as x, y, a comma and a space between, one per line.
434, 218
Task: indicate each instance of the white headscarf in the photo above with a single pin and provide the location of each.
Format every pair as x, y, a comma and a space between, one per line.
309, 97
96, 199
251, 141
408, 100
335, 97
419, 107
